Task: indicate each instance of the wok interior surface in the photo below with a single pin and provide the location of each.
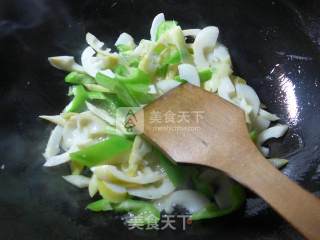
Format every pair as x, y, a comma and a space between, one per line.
274, 45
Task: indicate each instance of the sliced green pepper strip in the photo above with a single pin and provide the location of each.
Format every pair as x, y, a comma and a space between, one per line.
100, 205
134, 75
253, 135
162, 71
177, 78
104, 151
105, 81
96, 95
123, 48
205, 74
130, 85
78, 78
174, 58
211, 211
144, 212
176, 173
164, 27
125, 96
134, 63
121, 70
111, 103
78, 102
132, 89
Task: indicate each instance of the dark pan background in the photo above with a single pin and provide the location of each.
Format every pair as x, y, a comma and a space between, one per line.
274, 45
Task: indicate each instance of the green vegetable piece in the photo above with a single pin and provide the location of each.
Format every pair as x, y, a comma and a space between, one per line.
253, 135
104, 151
162, 71
125, 96
130, 205
144, 212
96, 95
205, 74
134, 63
78, 102
211, 211
176, 173
106, 81
134, 75
174, 58
100, 205
121, 70
78, 78
159, 48
111, 103
123, 48
177, 78
164, 27
132, 89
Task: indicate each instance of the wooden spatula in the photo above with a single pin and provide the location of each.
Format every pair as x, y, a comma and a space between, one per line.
191, 125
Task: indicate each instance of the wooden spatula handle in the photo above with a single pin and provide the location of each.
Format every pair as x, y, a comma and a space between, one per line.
296, 205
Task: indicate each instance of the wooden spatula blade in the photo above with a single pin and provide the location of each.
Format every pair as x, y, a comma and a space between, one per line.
210, 124
191, 125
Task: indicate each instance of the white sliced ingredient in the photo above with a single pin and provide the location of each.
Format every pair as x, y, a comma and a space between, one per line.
250, 95
82, 129
246, 108
125, 39
226, 89
261, 123
93, 185
152, 89
92, 65
139, 149
278, 162
53, 146
153, 192
56, 119
219, 53
66, 63
203, 44
273, 132
104, 115
59, 159
112, 174
96, 88
143, 48
166, 85
158, 19
77, 180
265, 151
108, 73
269, 116
189, 73
191, 200
96, 44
